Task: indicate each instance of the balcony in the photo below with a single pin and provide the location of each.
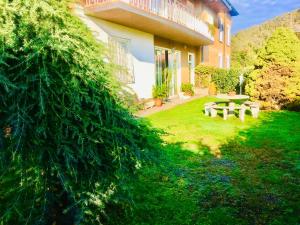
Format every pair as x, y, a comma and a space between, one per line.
165, 18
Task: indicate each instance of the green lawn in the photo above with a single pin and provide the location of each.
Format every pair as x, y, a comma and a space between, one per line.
218, 172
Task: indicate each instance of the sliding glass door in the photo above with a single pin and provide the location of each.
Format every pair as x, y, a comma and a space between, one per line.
167, 64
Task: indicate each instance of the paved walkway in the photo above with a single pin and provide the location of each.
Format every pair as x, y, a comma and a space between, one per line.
168, 105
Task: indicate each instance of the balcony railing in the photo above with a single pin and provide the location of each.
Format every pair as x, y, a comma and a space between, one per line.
168, 9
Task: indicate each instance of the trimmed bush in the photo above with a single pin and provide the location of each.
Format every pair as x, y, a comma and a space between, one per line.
203, 75
225, 80
68, 146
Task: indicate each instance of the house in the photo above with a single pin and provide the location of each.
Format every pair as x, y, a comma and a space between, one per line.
150, 37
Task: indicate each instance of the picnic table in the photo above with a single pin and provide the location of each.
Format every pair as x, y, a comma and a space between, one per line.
212, 107
232, 99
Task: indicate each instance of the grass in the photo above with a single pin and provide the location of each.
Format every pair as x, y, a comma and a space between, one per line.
214, 172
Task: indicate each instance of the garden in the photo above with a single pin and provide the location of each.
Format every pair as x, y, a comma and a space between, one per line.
215, 172
73, 153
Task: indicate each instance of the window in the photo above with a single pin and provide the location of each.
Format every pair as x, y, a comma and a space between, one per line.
220, 60
228, 62
122, 58
202, 54
221, 30
228, 35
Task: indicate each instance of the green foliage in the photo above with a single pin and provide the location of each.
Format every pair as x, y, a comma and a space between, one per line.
276, 77
203, 75
244, 59
281, 48
160, 91
225, 80
187, 89
246, 43
253, 181
68, 146
269, 85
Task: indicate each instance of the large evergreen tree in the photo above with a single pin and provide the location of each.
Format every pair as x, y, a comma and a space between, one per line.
67, 145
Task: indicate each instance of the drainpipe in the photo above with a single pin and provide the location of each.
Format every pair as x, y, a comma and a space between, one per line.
224, 40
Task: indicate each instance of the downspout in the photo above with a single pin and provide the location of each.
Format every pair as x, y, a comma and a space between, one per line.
224, 41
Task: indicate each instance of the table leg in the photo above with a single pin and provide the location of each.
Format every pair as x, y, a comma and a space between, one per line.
231, 109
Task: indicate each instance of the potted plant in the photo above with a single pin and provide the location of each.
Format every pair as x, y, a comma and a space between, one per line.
187, 89
159, 92
212, 89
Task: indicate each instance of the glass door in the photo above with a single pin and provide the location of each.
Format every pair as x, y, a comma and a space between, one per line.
167, 63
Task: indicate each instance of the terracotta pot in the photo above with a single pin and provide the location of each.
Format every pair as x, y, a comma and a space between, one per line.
158, 102
231, 93
188, 94
212, 89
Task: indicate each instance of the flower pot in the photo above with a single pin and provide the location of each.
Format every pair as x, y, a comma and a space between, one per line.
231, 93
189, 94
212, 89
158, 102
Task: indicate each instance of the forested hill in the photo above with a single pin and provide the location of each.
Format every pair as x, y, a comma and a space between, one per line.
245, 42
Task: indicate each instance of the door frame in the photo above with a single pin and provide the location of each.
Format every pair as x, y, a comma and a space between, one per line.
191, 73
176, 80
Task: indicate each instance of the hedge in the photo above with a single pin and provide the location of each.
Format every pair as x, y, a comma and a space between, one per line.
225, 80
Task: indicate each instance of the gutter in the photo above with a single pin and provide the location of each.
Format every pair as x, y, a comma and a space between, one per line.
232, 10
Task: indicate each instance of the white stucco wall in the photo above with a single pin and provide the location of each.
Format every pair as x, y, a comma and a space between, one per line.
141, 46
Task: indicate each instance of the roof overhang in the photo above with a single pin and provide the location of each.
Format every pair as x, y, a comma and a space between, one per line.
222, 6
231, 9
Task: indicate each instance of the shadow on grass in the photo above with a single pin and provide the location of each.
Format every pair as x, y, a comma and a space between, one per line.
260, 175
255, 182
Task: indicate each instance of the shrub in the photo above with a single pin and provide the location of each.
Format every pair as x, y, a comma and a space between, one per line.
275, 81
270, 90
293, 105
160, 91
187, 89
68, 146
203, 75
226, 80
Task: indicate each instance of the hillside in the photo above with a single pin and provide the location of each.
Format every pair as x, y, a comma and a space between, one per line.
245, 42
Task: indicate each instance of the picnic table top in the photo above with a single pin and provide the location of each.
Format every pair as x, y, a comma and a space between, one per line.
232, 97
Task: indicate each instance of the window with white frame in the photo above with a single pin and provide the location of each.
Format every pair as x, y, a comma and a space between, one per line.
228, 61
220, 60
122, 59
221, 30
228, 38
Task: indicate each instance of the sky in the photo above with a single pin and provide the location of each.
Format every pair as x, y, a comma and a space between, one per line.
253, 12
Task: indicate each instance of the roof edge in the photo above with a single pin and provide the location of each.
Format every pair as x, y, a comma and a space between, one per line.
232, 10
